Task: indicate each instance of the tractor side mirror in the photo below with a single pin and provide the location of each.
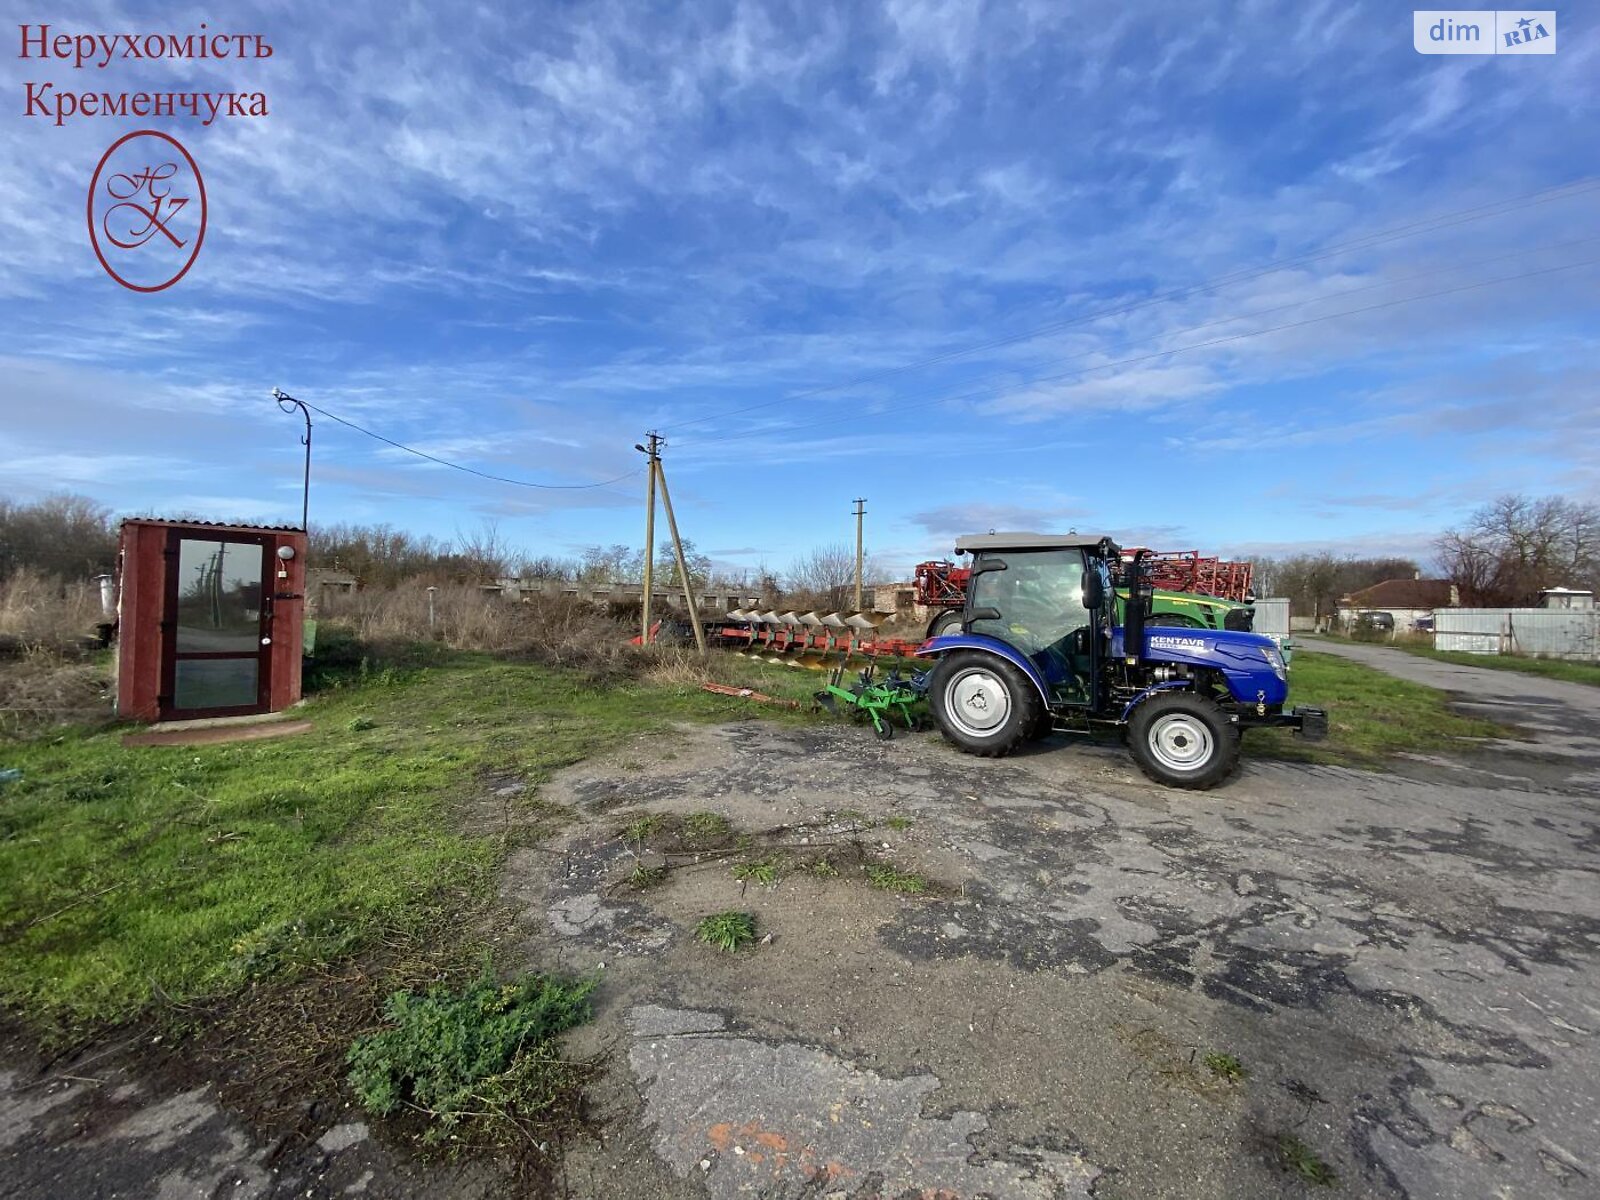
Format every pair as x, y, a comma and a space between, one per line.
1094, 592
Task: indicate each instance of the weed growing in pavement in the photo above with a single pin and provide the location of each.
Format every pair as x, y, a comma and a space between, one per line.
1294, 1155
823, 869
1224, 1066
764, 872
727, 930
705, 828
892, 879
643, 828
642, 877
482, 1054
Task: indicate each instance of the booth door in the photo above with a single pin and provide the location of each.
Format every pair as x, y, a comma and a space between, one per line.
216, 652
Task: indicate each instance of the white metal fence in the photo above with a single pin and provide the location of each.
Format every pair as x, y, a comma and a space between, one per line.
1548, 633
1272, 616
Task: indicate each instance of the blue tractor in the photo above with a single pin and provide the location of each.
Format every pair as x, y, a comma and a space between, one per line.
1039, 651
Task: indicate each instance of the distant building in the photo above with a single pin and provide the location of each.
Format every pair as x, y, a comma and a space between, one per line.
1567, 598
324, 585
1406, 601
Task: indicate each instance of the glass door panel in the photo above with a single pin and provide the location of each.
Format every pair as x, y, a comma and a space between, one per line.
218, 625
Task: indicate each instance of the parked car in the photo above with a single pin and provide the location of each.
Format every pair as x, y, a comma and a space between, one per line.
1373, 626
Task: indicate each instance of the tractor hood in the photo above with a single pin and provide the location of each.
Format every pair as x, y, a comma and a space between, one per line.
1172, 643
1251, 662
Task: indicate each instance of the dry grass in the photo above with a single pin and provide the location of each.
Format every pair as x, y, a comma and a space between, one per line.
38, 689
38, 610
47, 628
552, 631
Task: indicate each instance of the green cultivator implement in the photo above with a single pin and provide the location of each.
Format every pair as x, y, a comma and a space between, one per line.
882, 700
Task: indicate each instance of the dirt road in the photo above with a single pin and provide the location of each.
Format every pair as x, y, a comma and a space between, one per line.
1405, 970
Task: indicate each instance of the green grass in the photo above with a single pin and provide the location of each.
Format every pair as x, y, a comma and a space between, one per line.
727, 930
890, 878
1548, 668
1299, 1159
1224, 1066
136, 876
899, 824
1371, 715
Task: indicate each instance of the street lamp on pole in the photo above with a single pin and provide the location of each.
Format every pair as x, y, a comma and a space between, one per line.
288, 403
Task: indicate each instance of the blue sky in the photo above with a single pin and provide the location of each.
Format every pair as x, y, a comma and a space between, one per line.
518, 236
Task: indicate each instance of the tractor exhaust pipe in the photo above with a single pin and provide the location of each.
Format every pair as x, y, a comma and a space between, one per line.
1138, 608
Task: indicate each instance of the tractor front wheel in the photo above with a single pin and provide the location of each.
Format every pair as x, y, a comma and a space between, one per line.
1183, 741
983, 704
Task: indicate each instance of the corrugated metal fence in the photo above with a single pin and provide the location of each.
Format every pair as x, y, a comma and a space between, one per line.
1549, 633
1272, 616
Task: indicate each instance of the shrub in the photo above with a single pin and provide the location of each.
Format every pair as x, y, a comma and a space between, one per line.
485, 1052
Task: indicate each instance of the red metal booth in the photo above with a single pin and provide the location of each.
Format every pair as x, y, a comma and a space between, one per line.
209, 620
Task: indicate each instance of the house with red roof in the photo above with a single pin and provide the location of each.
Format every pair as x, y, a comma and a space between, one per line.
1408, 603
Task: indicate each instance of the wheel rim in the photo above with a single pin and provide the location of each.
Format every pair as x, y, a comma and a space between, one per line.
1180, 742
977, 702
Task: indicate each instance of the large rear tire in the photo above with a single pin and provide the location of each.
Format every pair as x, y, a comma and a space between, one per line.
983, 704
948, 621
1183, 741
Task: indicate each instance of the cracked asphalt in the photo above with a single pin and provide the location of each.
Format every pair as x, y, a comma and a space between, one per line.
1404, 966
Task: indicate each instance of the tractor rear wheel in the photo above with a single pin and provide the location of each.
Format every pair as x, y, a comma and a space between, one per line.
983, 704
948, 621
1183, 741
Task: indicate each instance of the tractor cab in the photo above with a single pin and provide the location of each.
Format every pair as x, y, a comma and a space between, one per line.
1047, 598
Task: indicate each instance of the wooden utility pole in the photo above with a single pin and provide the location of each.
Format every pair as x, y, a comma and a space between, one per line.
683, 566
861, 511
652, 453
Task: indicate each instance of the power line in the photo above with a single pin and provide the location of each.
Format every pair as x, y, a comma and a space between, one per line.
433, 458
1395, 233
1238, 337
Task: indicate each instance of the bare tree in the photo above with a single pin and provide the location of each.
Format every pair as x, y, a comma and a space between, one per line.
826, 575
482, 554
64, 535
379, 555
1515, 547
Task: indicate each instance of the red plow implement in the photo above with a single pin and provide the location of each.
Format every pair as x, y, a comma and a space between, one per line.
806, 639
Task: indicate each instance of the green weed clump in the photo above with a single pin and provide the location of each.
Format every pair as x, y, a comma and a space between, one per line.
764, 872
705, 828
1301, 1160
1224, 1066
727, 930
485, 1053
890, 878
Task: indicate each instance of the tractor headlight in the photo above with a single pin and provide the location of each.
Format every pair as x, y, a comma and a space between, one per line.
1275, 661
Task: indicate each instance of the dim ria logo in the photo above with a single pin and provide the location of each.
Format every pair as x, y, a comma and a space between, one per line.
1484, 31
147, 211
